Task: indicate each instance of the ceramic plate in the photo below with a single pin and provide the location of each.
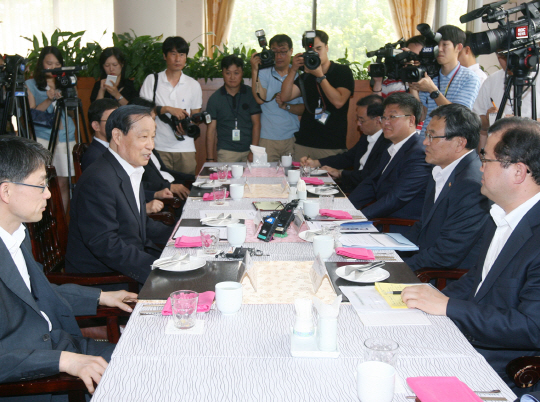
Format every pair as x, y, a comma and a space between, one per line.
184, 266
215, 183
375, 275
303, 234
322, 191
221, 222
318, 172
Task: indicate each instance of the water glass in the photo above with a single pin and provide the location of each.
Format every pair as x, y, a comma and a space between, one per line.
219, 195
184, 308
210, 240
222, 173
305, 171
381, 350
326, 201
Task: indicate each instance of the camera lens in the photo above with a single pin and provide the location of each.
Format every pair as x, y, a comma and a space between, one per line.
311, 60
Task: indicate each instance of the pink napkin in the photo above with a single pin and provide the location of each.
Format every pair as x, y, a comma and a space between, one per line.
188, 241
214, 176
210, 196
296, 164
203, 305
441, 389
335, 214
312, 180
355, 252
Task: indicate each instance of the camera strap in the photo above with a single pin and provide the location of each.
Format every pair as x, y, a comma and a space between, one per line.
321, 97
302, 87
259, 95
163, 117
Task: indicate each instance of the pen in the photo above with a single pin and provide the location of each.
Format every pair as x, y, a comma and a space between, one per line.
493, 103
395, 292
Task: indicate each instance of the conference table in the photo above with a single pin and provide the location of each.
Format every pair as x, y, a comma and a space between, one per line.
247, 356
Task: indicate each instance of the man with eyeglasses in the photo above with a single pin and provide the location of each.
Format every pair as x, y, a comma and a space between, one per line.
323, 128
454, 83
397, 187
364, 157
39, 336
496, 305
454, 211
279, 120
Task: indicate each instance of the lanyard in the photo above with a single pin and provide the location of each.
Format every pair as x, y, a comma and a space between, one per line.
235, 112
450, 82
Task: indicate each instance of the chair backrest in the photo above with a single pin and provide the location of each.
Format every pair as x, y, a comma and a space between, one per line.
78, 152
49, 235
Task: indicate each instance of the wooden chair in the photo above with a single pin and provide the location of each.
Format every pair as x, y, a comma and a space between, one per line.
385, 223
78, 152
525, 371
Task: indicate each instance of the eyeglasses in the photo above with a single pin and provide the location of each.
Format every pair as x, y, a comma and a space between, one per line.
432, 137
361, 120
283, 54
483, 157
29, 185
392, 118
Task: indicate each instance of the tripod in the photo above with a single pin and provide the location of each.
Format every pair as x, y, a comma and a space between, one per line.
69, 101
17, 105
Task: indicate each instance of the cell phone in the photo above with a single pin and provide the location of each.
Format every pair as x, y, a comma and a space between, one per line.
268, 205
111, 80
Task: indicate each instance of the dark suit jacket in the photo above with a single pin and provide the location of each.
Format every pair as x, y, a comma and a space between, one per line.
107, 232
450, 229
27, 349
502, 321
398, 192
153, 180
94, 151
351, 178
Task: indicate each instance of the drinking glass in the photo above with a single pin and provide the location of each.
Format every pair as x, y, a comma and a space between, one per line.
184, 308
210, 240
326, 201
305, 171
381, 350
219, 195
222, 173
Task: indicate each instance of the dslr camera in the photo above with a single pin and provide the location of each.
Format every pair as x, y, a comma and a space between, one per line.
66, 79
189, 124
266, 55
311, 57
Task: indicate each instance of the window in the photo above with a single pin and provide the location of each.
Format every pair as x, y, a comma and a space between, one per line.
456, 8
355, 25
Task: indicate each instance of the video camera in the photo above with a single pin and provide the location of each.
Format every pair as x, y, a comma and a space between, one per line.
390, 60
66, 79
12, 75
266, 56
311, 57
518, 38
189, 124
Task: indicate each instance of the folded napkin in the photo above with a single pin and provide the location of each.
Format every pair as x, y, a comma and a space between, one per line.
188, 241
441, 389
312, 180
355, 252
203, 305
210, 196
296, 164
214, 176
335, 213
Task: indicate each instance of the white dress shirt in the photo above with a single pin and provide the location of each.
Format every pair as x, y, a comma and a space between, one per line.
135, 176
506, 223
13, 244
371, 139
441, 175
167, 176
104, 143
394, 148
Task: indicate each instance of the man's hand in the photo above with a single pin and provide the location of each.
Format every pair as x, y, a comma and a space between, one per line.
180, 114
425, 298
335, 173
317, 72
426, 84
255, 61
154, 206
165, 193
88, 368
118, 298
181, 190
280, 103
250, 157
305, 160
297, 62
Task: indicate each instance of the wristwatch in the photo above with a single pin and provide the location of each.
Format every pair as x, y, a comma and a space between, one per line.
435, 94
320, 79
288, 108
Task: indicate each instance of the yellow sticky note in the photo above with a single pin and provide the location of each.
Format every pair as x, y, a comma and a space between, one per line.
386, 289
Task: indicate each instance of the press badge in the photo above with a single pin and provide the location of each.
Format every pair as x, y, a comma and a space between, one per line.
318, 111
236, 135
324, 117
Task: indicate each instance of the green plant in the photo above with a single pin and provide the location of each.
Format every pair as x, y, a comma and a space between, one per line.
359, 70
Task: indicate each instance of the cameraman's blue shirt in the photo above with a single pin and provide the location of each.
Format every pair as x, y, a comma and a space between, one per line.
463, 90
276, 123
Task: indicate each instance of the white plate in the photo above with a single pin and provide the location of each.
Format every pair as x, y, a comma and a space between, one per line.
302, 235
222, 222
318, 172
194, 263
318, 191
215, 183
375, 275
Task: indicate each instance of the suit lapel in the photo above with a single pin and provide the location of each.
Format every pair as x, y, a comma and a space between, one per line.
397, 157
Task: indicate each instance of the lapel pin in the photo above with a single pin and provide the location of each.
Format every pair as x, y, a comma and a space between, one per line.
450, 184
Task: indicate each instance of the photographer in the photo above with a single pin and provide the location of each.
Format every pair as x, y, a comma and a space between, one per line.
279, 120
235, 115
454, 83
323, 128
389, 85
176, 95
468, 59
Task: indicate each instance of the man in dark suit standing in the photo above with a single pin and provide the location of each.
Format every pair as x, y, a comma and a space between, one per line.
109, 229
397, 187
39, 336
496, 304
455, 211
364, 157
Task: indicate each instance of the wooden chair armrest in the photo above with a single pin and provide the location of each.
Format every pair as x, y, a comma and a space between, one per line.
60, 278
111, 331
439, 275
174, 202
524, 371
166, 217
59, 383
